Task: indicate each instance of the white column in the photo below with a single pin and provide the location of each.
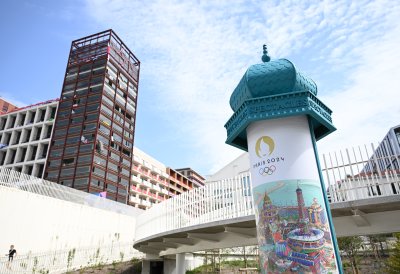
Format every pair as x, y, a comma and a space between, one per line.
180, 263
145, 267
291, 217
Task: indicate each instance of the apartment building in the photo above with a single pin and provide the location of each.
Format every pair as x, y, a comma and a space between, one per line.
25, 135
92, 144
387, 154
192, 175
153, 182
6, 106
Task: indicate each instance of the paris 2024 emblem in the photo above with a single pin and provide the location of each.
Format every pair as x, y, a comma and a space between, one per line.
264, 149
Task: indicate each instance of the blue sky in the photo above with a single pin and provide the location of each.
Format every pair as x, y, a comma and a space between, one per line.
193, 54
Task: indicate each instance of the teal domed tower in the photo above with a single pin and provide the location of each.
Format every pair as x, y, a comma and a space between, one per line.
275, 89
278, 119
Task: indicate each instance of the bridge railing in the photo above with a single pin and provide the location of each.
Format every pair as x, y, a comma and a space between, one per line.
362, 172
221, 200
352, 174
14, 179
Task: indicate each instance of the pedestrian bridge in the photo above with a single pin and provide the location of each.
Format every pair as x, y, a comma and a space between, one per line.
221, 213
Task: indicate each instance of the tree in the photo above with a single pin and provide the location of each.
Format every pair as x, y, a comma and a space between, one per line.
393, 264
351, 246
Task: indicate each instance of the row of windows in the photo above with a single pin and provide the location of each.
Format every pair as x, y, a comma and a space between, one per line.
68, 171
26, 118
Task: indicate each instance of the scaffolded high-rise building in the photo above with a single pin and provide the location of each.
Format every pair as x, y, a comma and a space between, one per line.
92, 143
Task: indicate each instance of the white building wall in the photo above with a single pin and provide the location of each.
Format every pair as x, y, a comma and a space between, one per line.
238, 166
36, 223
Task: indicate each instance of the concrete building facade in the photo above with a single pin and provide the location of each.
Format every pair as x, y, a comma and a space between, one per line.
387, 155
25, 137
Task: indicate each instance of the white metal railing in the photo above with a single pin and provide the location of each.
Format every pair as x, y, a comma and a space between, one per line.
361, 172
14, 179
62, 261
346, 177
215, 201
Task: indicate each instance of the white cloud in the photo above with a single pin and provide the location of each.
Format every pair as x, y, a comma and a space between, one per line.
195, 53
366, 109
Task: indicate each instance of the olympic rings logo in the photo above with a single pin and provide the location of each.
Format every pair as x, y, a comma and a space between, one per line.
264, 171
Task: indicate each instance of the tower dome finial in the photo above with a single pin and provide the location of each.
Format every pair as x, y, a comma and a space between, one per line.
265, 58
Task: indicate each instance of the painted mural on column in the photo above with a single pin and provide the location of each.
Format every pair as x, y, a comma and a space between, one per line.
293, 233
292, 223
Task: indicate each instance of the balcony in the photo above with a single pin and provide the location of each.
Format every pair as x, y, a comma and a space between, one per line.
109, 91
136, 179
147, 183
137, 159
134, 200
156, 187
164, 191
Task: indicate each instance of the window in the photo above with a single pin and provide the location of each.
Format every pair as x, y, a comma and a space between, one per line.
52, 175
68, 161
53, 112
84, 159
12, 121
59, 133
67, 182
97, 80
97, 183
126, 152
67, 172
82, 84
81, 91
77, 120
59, 142
89, 126
56, 153
62, 123
86, 148
100, 161
91, 117
92, 107
112, 166
98, 171
70, 150
82, 170
54, 163
5, 107
73, 140
74, 130
81, 182
111, 188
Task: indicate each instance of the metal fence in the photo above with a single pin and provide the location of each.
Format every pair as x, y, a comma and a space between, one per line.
346, 178
62, 261
361, 172
226, 199
14, 179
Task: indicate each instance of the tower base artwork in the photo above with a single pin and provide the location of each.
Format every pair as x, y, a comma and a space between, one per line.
278, 119
290, 242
